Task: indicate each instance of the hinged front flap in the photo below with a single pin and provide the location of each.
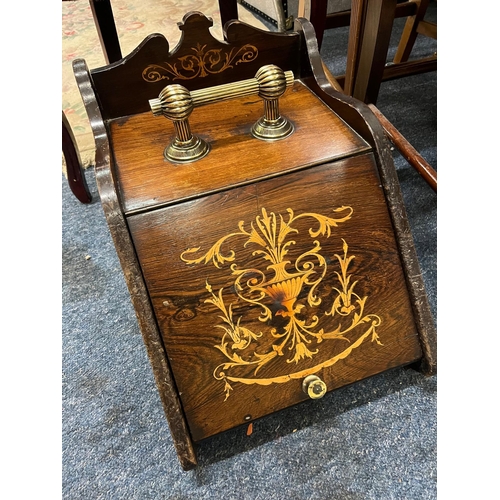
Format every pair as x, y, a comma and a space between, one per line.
257, 287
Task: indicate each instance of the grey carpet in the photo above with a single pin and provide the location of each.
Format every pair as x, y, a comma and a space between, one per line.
372, 440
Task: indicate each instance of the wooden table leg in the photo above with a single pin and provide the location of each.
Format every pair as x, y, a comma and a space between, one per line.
76, 176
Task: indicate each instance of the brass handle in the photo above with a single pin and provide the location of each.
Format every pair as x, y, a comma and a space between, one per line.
314, 387
176, 103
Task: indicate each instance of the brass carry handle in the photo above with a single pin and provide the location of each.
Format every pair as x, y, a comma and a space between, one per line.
176, 103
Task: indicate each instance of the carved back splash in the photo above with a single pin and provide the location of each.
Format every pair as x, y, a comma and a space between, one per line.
198, 61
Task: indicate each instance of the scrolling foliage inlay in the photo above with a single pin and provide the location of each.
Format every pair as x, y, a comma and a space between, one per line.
200, 64
281, 281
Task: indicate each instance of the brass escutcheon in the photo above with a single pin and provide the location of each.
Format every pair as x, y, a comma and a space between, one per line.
314, 387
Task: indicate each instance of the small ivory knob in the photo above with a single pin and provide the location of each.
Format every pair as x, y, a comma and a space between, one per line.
314, 387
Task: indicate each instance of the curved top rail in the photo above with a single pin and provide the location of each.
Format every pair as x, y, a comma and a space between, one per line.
199, 60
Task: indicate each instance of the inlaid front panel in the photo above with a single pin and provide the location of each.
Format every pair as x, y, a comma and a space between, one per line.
258, 287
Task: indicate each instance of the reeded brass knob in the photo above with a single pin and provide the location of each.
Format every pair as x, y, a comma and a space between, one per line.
314, 387
176, 103
273, 82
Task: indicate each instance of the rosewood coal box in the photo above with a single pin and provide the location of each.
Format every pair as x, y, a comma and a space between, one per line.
259, 223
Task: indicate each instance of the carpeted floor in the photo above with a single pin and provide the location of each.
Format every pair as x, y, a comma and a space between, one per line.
373, 440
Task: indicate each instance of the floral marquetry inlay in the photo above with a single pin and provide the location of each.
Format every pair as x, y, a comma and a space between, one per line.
201, 63
285, 288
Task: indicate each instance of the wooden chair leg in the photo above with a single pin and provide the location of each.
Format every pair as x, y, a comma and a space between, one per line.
410, 32
318, 18
411, 155
353, 46
106, 29
76, 176
316, 12
375, 39
228, 10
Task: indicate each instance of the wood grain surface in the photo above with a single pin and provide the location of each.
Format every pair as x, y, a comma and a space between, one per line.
192, 327
147, 180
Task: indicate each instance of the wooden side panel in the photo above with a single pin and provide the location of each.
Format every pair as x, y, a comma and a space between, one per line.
133, 277
146, 179
256, 287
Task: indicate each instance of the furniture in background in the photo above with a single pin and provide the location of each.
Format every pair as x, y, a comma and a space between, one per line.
370, 30
371, 24
369, 36
415, 25
108, 37
74, 171
411, 155
104, 20
228, 10
370, 27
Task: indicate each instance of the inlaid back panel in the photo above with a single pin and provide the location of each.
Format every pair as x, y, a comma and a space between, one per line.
199, 60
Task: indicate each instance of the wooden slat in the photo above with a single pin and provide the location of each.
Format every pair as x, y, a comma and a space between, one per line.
412, 156
427, 28
400, 70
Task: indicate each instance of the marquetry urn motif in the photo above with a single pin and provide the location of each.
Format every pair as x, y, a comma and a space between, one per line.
279, 286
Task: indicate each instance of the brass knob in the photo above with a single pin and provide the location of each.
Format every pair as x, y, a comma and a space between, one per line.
176, 103
273, 82
314, 387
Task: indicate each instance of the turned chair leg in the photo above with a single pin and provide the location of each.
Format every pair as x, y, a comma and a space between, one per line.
76, 176
412, 156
